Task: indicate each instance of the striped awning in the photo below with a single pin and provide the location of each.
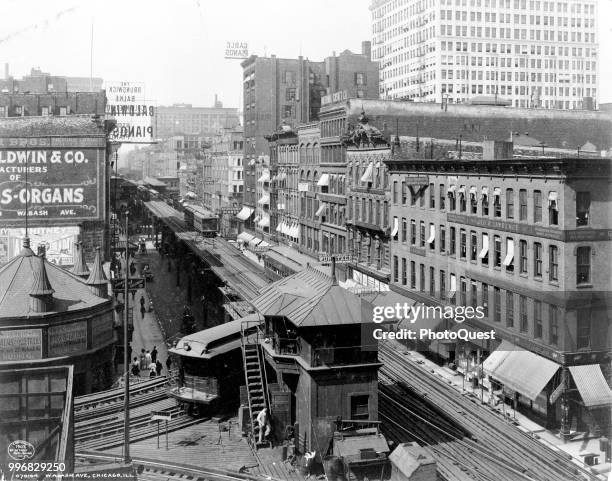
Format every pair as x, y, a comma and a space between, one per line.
592, 385
244, 237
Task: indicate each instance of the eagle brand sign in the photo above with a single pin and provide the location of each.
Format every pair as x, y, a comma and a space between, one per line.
56, 185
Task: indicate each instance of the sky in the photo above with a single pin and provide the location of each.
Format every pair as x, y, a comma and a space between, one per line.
176, 47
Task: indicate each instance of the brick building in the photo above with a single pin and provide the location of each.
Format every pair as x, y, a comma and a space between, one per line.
185, 119
309, 136
43, 82
291, 91
522, 239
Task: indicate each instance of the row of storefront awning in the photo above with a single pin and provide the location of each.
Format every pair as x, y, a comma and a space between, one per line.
289, 229
251, 240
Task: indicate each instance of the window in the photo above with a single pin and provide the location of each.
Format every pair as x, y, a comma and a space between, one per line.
497, 304
484, 252
452, 201
404, 194
485, 204
442, 238
412, 274
432, 282
360, 78
523, 256
442, 196
553, 209
553, 260
422, 229
462, 201
289, 111
289, 77
395, 269
422, 277
473, 201
537, 319
553, 325
462, 242
462, 292
522, 204
509, 204
583, 205
290, 94
497, 251
523, 322
583, 334
404, 272
537, 259
537, 206
404, 229
496, 205
442, 285
485, 299
395, 193
509, 309
432, 196
583, 265
360, 406
473, 246
453, 249
509, 259
413, 232
474, 294
44, 111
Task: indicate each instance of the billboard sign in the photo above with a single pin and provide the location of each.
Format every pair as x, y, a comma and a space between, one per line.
67, 338
134, 115
20, 344
236, 50
57, 185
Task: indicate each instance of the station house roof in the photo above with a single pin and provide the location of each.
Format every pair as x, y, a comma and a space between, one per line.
312, 298
28, 274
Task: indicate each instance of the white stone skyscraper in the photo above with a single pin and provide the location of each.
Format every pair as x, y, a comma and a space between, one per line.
528, 53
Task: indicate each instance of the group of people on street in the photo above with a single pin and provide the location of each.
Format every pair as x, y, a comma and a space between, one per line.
148, 361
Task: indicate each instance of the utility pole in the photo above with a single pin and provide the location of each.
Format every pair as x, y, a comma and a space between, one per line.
126, 354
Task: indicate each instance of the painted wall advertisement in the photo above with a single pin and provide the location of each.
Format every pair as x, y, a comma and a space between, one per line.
134, 115
67, 338
56, 185
102, 329
20, 344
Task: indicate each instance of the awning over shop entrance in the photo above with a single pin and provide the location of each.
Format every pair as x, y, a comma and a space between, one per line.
592, 385
245, 213
523, 371
244, 237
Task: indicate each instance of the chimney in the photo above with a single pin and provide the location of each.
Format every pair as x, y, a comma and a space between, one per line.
497, 150
6, 71
333, 271
366, 49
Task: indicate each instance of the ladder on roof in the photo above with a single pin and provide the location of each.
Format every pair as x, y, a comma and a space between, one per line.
255, 377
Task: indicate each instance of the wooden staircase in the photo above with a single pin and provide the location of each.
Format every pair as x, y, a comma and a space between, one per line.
256, 383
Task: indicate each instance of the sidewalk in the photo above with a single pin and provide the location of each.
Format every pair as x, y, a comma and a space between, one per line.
576, 448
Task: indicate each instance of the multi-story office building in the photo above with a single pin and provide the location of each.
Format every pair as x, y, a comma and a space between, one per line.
181, 119
531, 53
522, 239
291, 91
367, 209
43, 82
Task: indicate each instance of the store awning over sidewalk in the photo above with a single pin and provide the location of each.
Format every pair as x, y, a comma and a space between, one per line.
524, 371
592, 385
245, 213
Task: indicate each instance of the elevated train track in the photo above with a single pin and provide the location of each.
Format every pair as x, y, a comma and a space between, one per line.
478, 444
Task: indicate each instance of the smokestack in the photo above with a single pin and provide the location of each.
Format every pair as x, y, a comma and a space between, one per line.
333, 271
366, 49
6, 71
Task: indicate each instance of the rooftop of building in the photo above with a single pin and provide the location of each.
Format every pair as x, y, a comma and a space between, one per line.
64, 126
312, 298
30, 275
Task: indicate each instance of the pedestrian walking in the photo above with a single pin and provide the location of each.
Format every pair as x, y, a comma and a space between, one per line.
143, 309
148, 358
158, 367
142, 301
152, 370
263, 420
135, 367
154, 354
143, 360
